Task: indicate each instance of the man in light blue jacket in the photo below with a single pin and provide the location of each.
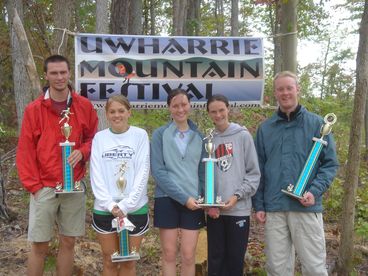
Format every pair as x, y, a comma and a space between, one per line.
283, 143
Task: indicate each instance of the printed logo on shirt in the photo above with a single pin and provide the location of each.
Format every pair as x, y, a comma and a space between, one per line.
224, 154
119, 152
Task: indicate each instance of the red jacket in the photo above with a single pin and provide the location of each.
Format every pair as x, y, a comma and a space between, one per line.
39, 157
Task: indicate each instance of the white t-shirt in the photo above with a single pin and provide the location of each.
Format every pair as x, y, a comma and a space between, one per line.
123, 155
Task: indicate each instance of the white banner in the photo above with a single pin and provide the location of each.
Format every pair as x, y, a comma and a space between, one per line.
146, 68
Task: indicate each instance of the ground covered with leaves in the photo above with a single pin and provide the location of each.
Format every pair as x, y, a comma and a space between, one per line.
14, 246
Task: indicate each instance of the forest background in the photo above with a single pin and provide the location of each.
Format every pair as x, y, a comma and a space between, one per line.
329, 75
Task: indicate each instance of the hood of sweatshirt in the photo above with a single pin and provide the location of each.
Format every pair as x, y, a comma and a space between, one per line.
232, 129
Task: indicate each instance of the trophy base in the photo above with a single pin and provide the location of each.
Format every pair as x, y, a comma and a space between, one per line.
212, 204
131, 257
68, 192
291, 194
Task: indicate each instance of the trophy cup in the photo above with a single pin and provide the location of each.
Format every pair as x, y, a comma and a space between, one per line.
68, 185
297, 191
123, 225
210, 199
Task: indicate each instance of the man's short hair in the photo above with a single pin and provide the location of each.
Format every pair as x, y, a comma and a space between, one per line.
285, 74
55, 58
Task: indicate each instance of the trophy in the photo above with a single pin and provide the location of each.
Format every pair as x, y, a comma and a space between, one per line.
210, 199
297, 191
121, 181
123, 225
68, 185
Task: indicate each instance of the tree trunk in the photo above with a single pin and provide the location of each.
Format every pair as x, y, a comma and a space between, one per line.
180, 9
146, 14
7, 162
102, 27
289, 37
22, 89
135, 17
120, 16
346, 249
219, 16
152, 17
234, 17
193, 18
324, 73
366, 129
102, 20
275, 18
26, 52
62, 19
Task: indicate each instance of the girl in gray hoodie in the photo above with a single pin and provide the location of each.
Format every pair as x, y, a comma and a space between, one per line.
237, 177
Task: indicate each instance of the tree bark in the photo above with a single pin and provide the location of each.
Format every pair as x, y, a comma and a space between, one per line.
120, 16
7, 162
22, 90
135, 17
193, 18
219, 16
180, 9
275, 18
27, 55
234, 17
346, 249
102, 20
62, 19
324, 73
102, 27
152, 17
289, 38
366, 129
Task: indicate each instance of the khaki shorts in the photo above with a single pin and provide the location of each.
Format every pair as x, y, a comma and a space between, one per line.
67, 210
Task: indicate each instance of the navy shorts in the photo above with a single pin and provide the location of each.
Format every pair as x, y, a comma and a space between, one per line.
170, 214
102, 224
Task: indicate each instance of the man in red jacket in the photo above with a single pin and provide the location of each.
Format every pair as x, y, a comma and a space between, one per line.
39, 163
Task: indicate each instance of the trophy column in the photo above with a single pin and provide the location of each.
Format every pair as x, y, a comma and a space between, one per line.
123, 225
68, 174
68, 185
298, 190
210, 199
124, 254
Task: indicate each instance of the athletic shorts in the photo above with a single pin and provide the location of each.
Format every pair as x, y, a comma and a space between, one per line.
46, 208
102, 223
170, 214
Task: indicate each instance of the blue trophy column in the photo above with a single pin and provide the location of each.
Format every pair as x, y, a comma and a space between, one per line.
68, 175
210, 182
308, 167
124, 242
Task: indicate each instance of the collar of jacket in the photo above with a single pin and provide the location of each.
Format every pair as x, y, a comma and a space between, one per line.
45, 96
292, 115
191, 125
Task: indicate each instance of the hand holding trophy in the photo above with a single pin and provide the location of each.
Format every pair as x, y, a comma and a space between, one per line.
210, 199
122, 224
68, 185
297, 191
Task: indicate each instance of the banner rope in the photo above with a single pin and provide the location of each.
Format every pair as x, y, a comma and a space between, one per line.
65, 31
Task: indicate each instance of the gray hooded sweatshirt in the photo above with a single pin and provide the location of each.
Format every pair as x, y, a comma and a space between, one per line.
237, 170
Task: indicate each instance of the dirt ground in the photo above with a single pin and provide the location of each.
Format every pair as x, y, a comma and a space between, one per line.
14, 246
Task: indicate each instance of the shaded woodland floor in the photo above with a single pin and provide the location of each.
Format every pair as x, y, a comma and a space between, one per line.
14, 246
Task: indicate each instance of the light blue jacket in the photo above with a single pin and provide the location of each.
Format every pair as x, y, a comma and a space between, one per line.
177, 176
283, 147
